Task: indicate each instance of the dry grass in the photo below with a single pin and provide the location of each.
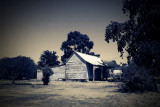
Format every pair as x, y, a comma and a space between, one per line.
72, 94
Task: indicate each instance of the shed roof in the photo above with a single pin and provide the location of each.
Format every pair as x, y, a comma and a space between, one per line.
90, 59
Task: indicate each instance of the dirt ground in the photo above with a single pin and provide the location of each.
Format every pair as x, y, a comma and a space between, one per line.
72, 94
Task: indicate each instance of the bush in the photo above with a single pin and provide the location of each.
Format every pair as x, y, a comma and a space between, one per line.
136, 79
17, 68
47, 72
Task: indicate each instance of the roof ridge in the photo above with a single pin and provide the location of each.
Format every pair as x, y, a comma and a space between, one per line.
90, 59
87, 54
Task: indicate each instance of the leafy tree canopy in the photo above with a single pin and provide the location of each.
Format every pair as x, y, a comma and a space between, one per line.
48, 58
19, 67
76, 42
112, 63
139, 36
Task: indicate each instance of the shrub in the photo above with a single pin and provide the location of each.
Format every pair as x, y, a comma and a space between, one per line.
136, 79
17, 68
47, 72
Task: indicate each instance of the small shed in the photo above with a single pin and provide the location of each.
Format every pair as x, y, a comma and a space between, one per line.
79, 66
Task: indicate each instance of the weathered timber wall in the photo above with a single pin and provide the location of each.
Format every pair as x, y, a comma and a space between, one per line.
59, 73
76, 68
39, 75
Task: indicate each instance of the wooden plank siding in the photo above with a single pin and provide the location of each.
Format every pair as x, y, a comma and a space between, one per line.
79, 67
59, 72
76, 68
39, 74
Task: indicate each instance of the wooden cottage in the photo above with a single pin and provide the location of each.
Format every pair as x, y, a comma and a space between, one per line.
80, 66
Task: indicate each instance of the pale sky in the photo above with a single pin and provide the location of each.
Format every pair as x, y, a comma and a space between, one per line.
28, 27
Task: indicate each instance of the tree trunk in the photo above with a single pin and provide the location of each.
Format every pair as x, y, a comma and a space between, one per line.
13, 81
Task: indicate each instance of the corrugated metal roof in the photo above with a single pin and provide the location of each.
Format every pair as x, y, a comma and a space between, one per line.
90, 59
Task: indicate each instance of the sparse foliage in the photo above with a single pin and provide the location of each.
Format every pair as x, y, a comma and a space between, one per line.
47, 72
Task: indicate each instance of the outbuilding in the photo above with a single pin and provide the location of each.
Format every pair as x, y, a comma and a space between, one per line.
80, 66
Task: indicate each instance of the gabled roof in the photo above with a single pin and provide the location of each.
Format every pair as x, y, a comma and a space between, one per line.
90, 59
